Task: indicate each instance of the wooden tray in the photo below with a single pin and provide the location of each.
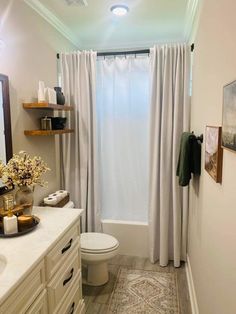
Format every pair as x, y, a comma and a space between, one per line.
36, 221
17, 209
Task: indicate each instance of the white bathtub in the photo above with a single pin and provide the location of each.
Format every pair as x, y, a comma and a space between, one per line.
132, 236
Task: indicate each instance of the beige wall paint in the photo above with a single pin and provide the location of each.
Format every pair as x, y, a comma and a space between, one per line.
212, 221
29, 55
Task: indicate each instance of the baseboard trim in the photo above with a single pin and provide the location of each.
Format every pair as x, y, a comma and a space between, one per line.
191, 288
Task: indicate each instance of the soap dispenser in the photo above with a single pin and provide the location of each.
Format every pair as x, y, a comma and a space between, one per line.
10, 223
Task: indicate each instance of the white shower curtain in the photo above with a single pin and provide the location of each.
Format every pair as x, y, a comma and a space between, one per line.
168, 203
79, 158
123, 85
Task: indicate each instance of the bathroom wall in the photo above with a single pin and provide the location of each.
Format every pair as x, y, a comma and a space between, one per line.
29, 55
212, 220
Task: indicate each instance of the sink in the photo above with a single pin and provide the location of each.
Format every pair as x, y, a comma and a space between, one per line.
3, 263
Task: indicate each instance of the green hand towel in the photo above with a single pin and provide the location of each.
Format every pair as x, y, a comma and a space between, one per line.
189, 158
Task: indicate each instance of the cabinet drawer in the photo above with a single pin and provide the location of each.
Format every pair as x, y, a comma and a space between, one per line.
61, 283
62, 249
25, 294
40, 304
80, 308
72, 302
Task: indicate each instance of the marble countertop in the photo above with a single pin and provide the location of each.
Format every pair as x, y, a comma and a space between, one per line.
21, 254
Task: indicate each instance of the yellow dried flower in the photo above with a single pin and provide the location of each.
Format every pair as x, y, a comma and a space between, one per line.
22, 170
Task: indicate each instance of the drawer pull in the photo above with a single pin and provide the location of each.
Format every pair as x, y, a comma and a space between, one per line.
67, 247
72, 308
69, 278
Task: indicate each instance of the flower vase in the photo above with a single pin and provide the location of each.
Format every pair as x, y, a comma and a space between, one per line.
60, 96
25, 196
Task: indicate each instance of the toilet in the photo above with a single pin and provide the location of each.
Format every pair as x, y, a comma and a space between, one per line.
96, 250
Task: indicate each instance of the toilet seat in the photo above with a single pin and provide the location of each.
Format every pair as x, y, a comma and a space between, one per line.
98, 243
99, 251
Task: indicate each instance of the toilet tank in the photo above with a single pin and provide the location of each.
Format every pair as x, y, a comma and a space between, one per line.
70, 204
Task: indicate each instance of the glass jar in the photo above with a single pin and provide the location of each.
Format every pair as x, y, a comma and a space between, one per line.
8, 202
25, 196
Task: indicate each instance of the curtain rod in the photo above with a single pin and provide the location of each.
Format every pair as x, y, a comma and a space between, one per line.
120, 53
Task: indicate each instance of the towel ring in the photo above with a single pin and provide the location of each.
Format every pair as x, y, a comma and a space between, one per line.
199, 138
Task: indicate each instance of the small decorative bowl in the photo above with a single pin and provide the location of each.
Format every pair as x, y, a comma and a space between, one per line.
58, 123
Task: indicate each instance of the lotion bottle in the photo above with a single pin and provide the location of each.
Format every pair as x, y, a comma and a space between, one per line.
10, 223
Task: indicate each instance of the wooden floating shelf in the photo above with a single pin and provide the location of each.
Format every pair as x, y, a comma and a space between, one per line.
45, 105
47, 132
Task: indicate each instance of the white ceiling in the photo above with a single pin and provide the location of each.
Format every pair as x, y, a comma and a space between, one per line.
95, 27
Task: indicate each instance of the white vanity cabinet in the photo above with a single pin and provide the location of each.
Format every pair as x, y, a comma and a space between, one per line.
26, 293
40, 305
54, 283
63, 273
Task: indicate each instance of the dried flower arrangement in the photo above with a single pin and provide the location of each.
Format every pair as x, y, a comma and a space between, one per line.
22, 170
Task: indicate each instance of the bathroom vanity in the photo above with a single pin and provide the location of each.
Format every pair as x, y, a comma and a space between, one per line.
40, 272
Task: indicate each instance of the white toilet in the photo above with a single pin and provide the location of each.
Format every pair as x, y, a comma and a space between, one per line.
96, 250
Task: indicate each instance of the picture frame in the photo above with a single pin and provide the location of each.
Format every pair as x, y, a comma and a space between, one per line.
214, 152
229, 117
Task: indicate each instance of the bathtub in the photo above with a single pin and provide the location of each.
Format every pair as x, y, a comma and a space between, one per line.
132, 236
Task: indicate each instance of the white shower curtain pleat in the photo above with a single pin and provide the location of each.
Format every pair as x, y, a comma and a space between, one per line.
168, 203
79, 157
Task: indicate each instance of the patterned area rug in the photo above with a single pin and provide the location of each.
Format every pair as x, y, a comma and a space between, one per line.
144, 292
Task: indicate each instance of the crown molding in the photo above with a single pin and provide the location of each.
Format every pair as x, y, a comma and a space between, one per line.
51, 18
77, 2
190, 16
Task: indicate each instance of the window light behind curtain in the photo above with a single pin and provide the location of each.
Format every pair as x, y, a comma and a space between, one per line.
123, 130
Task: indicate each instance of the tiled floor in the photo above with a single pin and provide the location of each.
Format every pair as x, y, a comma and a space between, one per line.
97, 298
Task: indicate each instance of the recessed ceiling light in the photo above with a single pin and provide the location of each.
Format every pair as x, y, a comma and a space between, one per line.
119, 9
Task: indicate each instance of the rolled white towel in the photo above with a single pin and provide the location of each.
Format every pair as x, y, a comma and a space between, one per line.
58, 197
50, 200
62, 193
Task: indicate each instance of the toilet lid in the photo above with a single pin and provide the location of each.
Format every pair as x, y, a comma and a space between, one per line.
97, 242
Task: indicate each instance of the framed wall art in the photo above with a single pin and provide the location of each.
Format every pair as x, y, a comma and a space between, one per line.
213, 152
229, 117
